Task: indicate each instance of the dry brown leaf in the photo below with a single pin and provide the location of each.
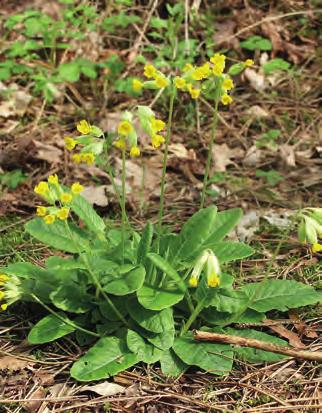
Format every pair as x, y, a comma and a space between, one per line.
33, 405
181, 152
248, 225
96, 195
256, 79
252, 156
224, 32
257, 111
292, 337
105, 389
287, 153
271, 30
301, 326
48, 153
13, 363
223, 155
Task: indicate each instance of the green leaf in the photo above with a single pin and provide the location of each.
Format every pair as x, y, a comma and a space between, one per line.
211, 357
224, 223
71, 297
163, 340
236, 69
171, 365
253, 355
276, 65
126, 282
164, 266
145, 351
145, 243
227, 251
109, 356
195, 231
218, 318
256, 43
229, 301
57, 235
48, 329
155, 321
84, 210
158, 298
280, 295
69, 72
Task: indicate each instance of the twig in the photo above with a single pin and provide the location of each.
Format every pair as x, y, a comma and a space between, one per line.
261, 345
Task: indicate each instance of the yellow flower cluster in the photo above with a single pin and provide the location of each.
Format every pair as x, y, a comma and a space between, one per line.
88, 136
127, 135
53, 193
9, 290
159, 80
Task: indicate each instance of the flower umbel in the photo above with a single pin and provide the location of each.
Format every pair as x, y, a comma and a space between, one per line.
77, 188
42, 188
70, 143
84, 127
124, 128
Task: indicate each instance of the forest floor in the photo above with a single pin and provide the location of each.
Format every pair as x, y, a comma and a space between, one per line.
267, 160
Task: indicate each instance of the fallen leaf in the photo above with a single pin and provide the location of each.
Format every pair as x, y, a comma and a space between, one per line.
13, 363
34, 405
256, 79
181, 152
271, 30
105, 389
257, 111
287, 153
285, 373
223, 155
96, 195
21, 102
248, 225
301, 326
224, 34
292, 337
48, 153
252, 156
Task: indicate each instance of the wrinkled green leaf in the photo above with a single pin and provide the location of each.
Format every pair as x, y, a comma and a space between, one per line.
126, 282
84, 210
155, 321
280, 295
171, 365
69, 72
145, 243
211, 357
164, 266
109, 356
224, 223
48, 329
71, 297
158, 298
145, 351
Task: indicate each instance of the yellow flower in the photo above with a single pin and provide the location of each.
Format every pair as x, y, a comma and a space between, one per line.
84, 127
77, 188
76, 158
66, 198
213, 280
137, 85
157, 125
150, 71
228, 83
193, 281
88, 158
124, 128
201, 72
53, 179
179, 82
49, 219
120, 144
161, 82
3, 278
63, 213
218, 70
226, 99
316, 247
157, 140
41, 211
249, 62
218, 59
187, 67
70, 143
194, 93
42, 188
134, 152
1, 295
4, 307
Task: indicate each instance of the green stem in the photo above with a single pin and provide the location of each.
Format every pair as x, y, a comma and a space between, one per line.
193, 316
123, 203
164, 164
117, 192
209, 158
66, 321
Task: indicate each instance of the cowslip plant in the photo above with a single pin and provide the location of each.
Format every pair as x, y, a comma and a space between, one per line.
136, 295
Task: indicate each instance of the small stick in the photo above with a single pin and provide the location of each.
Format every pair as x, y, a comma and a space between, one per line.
261, 345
